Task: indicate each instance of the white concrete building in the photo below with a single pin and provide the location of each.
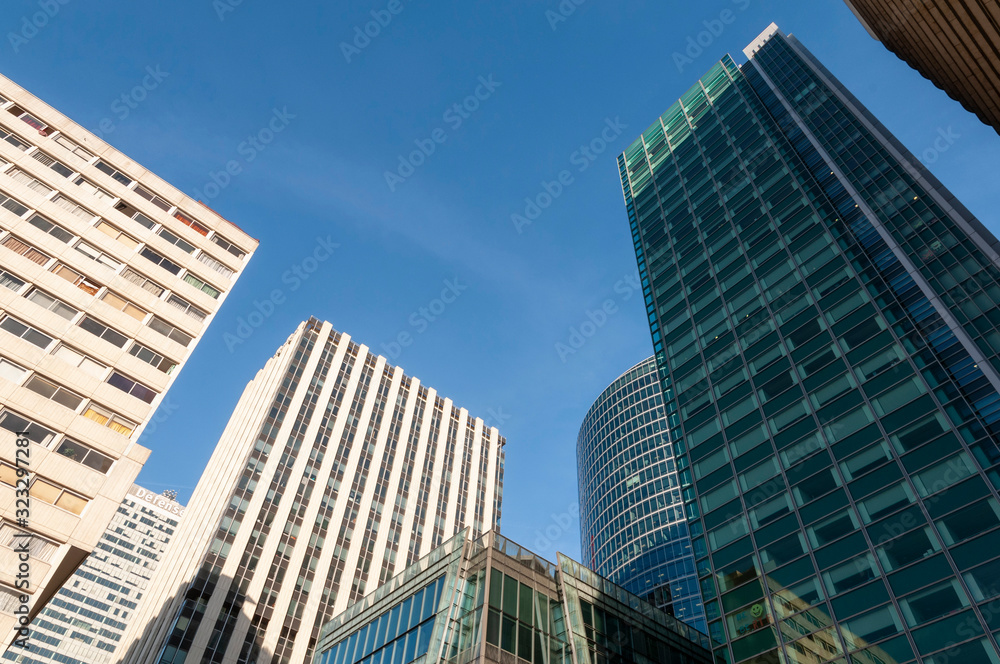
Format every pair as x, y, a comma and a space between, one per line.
108, 278
335, 472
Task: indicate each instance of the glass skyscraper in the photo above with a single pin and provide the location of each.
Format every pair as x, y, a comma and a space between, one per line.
825, 318
633, 529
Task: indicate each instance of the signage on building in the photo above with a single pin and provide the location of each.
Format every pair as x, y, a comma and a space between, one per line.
157, 500
751, 620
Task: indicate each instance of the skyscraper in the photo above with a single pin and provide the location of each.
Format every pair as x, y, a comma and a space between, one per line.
334, 473
824, 317
952, 43
84, 622
490, 600
108, 278
633, 530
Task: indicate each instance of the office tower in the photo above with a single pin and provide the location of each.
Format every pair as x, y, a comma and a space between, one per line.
490, 600
632, 525
823, 314
85, 620
108, 278
335, 472
952, 43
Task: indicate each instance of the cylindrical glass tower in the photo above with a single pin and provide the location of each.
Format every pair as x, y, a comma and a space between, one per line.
633, 529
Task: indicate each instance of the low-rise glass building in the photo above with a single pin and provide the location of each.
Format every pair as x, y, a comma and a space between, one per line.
489, 600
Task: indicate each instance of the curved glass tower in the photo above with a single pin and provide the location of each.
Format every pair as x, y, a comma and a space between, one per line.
633, 528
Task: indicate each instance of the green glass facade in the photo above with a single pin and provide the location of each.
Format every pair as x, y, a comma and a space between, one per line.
489, 600
825, 321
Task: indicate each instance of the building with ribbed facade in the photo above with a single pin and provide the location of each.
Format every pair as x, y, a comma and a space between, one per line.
335, 472
953, 43
84, 622
632, 525
109, 277
825, 318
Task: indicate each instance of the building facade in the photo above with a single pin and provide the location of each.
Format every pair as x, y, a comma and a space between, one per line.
489, 600
952, 43
335, 472
632, 525
824, 317
84, 622
108, 278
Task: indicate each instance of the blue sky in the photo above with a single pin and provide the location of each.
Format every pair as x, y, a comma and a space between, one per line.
543, 85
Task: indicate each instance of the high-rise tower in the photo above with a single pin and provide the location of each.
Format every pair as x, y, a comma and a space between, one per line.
108, 278
632, 525
334, 473
826, 322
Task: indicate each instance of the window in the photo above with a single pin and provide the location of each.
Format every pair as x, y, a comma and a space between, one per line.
46, 226
101, 330
114, 173
890, 500
58, 496
22, 331
14, 140
19, 425
201, 285
168, 265
98, 255
187, 308
8, 474
58, 167
108, 419
25, 249
169, 331
38, 548
86, 455
152, 198
8, 280
54, 392
176, 241
29, 119
12, 372
152, 358
12, 205
116, 234
81, 213
124, 305
30, 182
941, 475
93, 190
228, 246
142, 282
216, 265
46, 301
73, 147
77, 359
190, 223
76, 279
136, 389
134, 214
